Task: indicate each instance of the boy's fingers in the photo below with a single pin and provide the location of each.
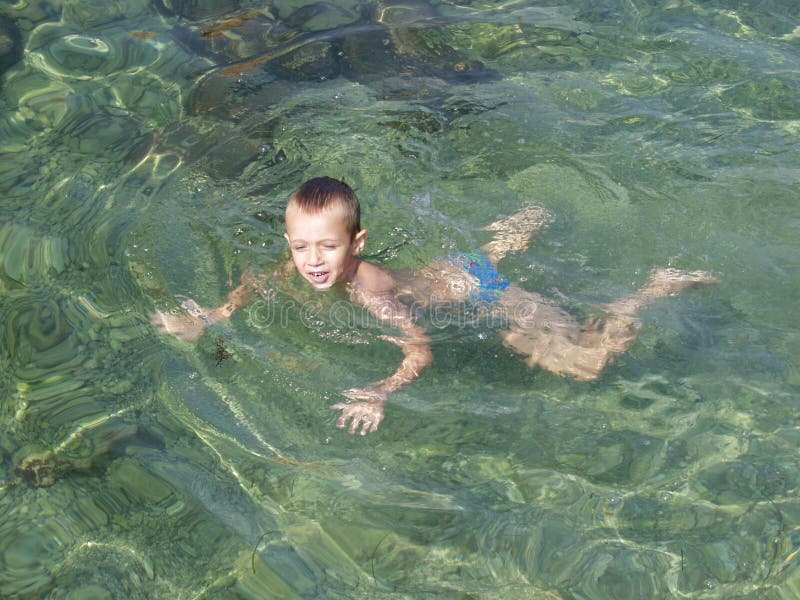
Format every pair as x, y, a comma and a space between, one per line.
370, 423
367, 421
341, 421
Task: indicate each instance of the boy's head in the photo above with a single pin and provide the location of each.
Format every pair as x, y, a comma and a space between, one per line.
324, 231
322, 193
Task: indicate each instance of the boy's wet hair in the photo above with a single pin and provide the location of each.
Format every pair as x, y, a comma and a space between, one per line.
320, 193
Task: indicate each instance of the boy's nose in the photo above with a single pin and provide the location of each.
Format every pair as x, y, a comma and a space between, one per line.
314, 257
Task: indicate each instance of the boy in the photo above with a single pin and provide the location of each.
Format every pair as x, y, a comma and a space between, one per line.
324, 233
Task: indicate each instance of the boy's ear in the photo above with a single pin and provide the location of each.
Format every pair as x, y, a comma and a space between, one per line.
359, 241
286, 235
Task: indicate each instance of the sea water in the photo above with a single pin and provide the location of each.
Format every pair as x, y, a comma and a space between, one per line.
147, 150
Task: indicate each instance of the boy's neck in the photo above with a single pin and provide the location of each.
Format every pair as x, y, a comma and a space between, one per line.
352, 271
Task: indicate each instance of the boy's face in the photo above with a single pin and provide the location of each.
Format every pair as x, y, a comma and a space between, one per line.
322, 249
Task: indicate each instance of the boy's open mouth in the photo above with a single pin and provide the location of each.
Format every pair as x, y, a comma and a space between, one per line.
319, 276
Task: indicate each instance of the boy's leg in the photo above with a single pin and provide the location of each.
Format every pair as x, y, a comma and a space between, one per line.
553, 340
556, 342
664, 282
514, 233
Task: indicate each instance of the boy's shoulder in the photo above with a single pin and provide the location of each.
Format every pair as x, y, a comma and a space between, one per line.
372, 280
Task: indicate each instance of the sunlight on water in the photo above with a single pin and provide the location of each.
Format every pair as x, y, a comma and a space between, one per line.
147, 150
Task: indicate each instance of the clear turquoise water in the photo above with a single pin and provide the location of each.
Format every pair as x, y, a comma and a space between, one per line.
134, 173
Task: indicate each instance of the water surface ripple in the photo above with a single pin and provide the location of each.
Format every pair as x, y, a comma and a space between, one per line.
147, 148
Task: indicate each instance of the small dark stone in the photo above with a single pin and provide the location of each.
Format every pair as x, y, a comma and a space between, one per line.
470, 71
42, 471
221, 353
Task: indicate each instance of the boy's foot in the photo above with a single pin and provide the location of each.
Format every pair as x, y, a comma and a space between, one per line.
514, 232
532, 218
664, 282
671, 282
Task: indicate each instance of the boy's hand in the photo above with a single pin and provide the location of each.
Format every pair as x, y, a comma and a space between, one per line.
368, 413
187, 328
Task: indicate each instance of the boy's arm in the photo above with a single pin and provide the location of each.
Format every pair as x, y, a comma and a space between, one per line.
417, 355
189, 328
367, 413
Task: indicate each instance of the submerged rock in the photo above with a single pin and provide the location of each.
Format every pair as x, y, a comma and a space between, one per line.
195, 9
38, 468
236, 36
397, 49
404, 64
228, 148
408, 43
315, 61
233, 37
323, 16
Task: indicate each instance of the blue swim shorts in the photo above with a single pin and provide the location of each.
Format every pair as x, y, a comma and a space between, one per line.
491, 284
